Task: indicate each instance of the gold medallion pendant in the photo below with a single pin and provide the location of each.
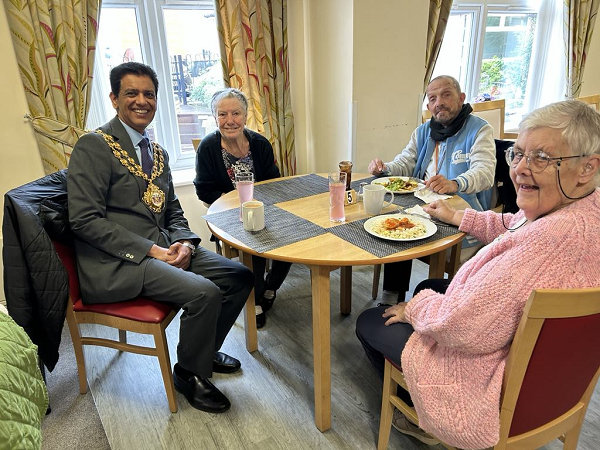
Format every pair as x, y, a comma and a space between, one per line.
154, 198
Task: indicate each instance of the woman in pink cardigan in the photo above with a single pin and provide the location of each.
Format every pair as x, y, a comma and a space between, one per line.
452, 339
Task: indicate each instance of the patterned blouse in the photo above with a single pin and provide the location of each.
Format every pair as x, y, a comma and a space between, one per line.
235, 165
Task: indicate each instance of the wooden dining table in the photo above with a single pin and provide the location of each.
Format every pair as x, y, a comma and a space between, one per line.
314, 241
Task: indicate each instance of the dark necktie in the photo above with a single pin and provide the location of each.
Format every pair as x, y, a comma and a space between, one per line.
146, 158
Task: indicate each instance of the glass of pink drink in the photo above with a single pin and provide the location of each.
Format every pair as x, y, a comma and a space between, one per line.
244, 183
337, 191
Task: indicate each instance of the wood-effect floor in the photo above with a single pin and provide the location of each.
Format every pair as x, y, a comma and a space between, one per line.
272, 397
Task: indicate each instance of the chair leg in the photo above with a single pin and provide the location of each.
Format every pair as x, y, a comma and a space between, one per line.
376, 276
453, 264
77, 348
162, 352
387, 409
122, 337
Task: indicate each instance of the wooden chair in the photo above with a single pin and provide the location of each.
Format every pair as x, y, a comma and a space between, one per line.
592, 100
139, 315
196, 143
550, 375
492, 111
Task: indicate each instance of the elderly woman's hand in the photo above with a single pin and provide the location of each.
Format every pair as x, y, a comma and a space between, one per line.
440, 210
395, 313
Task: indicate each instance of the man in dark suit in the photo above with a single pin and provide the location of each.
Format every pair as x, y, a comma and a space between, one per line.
131, 237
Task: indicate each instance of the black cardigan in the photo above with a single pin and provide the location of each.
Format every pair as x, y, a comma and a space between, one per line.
212, 179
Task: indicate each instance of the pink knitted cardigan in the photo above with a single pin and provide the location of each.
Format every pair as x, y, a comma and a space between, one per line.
454, 362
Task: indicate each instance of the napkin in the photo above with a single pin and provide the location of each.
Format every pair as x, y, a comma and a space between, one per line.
428, 196
417, 210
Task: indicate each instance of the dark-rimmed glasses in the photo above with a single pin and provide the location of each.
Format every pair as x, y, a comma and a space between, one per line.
537, 161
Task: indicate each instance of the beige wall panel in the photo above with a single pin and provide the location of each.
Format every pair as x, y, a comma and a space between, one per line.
389, 66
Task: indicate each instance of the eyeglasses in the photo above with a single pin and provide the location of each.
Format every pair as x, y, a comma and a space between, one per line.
537, 161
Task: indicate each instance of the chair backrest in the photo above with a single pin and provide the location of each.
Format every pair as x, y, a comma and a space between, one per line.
554, 361
504, 189
492, 112
66, 253
592, 100
196, 143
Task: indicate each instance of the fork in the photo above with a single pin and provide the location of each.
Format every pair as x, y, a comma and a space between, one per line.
432, 219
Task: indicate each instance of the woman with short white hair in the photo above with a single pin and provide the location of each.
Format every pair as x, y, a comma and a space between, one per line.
452, 339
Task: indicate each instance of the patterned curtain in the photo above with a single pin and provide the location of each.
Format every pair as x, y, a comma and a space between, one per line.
580, 16
253, 37
439, 11
54, 41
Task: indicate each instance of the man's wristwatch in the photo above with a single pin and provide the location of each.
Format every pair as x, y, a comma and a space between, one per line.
191, 246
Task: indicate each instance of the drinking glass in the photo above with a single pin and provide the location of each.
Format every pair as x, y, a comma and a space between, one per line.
244, 183
337, 191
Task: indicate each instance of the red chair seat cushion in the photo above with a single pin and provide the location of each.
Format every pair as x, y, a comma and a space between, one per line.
394, 364
140, 309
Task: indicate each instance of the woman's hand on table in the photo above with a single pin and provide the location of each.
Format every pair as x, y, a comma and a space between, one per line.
440, 209
395, 314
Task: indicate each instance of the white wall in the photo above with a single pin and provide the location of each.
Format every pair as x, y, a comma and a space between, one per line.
389, 67
361, 53
320, 54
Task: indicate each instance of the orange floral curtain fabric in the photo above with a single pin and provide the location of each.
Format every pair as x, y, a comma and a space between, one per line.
580, 17
254, 52
54, 41
439, 11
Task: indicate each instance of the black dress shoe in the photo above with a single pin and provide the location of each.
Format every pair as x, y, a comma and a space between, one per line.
261, 320
223, 363
201, 393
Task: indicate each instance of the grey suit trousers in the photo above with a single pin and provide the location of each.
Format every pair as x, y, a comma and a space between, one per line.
212, 292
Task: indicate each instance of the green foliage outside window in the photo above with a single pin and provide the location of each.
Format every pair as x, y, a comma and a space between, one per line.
491, 75
205, 86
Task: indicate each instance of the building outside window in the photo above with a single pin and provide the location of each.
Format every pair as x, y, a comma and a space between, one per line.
179, 40
491, 47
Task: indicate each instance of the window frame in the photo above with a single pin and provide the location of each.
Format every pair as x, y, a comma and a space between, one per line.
153, 44
480, 10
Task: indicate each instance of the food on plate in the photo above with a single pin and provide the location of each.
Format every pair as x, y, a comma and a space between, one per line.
392, 223
401, 184
399, 228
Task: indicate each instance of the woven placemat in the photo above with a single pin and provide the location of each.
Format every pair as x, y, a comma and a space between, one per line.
355, 233
404, 200
281, 228
291, 189
356, 184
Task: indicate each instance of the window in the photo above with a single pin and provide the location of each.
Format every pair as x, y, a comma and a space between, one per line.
178, 39
491, 48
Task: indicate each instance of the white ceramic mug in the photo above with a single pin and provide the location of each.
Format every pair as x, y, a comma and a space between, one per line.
253, 215
373, 195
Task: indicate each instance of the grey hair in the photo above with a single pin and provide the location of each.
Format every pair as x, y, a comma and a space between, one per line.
452, 80
228, 93
578, 123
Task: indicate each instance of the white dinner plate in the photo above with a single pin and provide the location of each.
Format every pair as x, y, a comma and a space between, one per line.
385, 180
430, 227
